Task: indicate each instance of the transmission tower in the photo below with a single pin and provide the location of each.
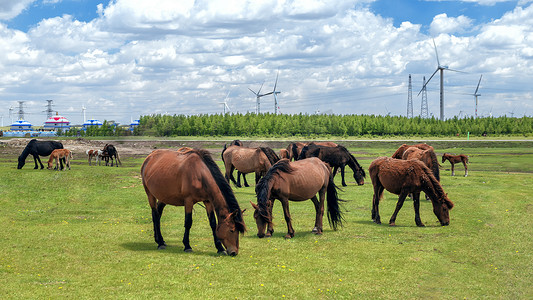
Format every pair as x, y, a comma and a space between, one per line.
410, 99
49, 110
21, 110
424, 106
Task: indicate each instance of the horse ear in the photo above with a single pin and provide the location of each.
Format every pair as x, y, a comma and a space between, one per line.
254, 205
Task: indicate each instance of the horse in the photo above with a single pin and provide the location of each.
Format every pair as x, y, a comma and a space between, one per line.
241, 144
402, 177
428, 157
186, 177
91, 153
337, 157
57, 155
453, 159
294, 149
38, 148
296, 181
112, 153
283, 153
247, 160
399, 153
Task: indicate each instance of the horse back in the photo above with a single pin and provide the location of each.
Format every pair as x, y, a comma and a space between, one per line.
177, 177
307, 178
396, 174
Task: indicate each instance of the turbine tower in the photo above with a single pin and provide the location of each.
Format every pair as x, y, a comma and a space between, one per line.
440, 69
424, 104
410, 99
275, 93
258, 96
83, 109
476, 94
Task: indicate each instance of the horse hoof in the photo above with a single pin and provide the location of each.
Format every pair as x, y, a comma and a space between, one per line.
392, 224
188, 250
420, 225
318, 232
161, 247
222, 252
315, 230
288, 236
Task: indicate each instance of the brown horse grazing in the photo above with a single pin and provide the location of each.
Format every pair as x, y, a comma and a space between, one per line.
186, 177
399, 153
247, 160
337, 157
453, 159
58, 155
296, 181
428, 157
402, 177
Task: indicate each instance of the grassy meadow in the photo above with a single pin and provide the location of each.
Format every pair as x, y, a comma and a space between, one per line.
87, 233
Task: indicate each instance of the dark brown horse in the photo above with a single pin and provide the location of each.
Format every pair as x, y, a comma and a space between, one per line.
111, 153
186, 177
247, 160
295, 149
296, 181
427, 156
38, 148
337, 157
454, 159
402, 177
399, 153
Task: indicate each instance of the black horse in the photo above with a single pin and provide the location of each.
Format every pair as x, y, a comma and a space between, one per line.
36, 148
337, 157
111, 152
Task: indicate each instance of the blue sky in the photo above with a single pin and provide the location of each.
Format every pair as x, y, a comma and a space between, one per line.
127, 58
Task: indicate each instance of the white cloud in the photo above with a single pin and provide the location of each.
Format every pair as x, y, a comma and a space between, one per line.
12, 8
449, 25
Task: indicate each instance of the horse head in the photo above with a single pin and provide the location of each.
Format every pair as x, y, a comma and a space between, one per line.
359, 176
442, 210
22, 161
262, 219
443, 157
228, 231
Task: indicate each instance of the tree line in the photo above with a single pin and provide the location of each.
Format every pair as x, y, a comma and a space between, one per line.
322, 125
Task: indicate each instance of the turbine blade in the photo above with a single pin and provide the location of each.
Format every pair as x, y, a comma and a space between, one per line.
436, 53
456, 71
427, 82
253, 92
258, 92
276, 84
477, 88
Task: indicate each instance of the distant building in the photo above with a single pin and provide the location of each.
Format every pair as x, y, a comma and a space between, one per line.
134, 124
91, 122
57, 122
21, 125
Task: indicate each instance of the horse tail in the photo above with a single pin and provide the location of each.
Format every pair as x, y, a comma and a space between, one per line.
466, 159
271, 155
224, 187
334, 213
434, 164
294, 150
118, 158
222, 154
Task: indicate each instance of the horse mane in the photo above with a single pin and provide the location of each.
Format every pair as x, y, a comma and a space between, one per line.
236, 143
352, 159
27, 149
271, 155
434, 187
223, 185
222, 154
434, 163
262, 189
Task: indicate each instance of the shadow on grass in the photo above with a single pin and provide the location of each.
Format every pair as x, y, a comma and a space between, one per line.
171, 249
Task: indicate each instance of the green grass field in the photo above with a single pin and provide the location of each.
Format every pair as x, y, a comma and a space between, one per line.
87, 233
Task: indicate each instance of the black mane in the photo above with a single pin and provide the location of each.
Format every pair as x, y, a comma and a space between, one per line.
262, 189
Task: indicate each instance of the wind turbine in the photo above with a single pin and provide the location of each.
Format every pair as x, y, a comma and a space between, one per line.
440, 68
83, 111
275, 93
258, 96
225, 103
475, 94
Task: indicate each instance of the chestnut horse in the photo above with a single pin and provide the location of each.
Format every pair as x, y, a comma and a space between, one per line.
58, 155
426, 156
402, 177
247, 160
186, 177
399, 153
92, 153
337, 157
296, 181
453, 159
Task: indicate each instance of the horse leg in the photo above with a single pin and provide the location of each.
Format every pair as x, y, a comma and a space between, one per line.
188, 225
213, 223
35, 158
399, 204
238, 178
270, 227
287, 214
466, 168
378, 190
319, 210
244, 180
453, 169
157, 211
416, 205
342, 176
